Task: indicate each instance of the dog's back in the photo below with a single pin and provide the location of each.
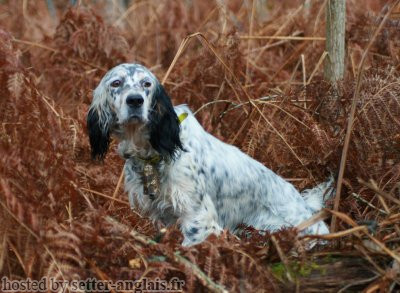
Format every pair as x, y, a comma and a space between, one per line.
243, 190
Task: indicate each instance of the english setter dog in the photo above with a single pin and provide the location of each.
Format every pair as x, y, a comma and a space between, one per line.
176, 172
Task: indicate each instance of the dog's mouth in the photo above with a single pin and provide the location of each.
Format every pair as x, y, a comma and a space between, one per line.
134, 119
131, 120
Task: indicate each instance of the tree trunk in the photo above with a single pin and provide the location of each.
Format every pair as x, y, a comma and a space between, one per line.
335, 41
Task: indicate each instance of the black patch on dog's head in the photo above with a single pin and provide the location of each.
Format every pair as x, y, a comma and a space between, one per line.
164, 125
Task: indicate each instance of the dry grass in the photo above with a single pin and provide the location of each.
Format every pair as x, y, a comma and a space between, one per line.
255, 81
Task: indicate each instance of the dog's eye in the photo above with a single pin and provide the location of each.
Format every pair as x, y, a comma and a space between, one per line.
147, 84
116, 83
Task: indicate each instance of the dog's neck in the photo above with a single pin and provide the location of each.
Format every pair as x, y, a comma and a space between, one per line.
134, 141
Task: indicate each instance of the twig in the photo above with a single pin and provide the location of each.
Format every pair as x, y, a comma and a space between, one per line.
282, 257
106, 196
286, 112
199, 35
223, 14
262, 100
351, 222
211, 103
208, 17
282, 38
365, 253
18, 255
374, 287
83, 194
242, 127
45, 99
303, 66
35, 45
321, 215
76, 60
340, 234
359, 282
121, 176
345, 218
374, 188
384, 204
268, 46
251, 27
319, 14
129, 11
300, 48
280, 29
134, 234
290, 81
382, 246
352, 113
210, 284
321, 59
368, 203
100, 274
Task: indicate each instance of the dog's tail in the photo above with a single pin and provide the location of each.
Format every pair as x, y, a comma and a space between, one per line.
317, 196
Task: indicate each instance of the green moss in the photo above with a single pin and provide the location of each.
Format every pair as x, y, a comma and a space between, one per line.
157, 258
278, 270
296, 269
306, 269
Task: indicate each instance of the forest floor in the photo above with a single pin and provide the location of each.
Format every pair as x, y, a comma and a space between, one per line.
64, 216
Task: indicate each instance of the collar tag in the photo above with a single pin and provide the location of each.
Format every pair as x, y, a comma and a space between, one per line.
182, 117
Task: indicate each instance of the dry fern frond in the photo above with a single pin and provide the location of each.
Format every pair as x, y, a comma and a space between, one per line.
53, 211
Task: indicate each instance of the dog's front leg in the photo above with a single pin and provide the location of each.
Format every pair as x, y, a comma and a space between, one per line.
134, 186
199, 221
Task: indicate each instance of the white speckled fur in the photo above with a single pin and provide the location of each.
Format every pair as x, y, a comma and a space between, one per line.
212, 185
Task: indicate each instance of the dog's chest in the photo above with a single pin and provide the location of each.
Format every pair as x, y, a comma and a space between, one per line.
150, 176
155, 181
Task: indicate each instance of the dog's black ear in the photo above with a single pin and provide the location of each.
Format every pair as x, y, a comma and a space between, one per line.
164, 125
99, 134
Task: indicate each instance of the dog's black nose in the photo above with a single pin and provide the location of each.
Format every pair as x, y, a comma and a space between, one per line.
134, 100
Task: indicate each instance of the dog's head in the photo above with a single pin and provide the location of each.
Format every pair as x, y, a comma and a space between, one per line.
130, 95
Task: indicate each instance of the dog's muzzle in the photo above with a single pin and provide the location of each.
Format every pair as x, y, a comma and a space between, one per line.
135, 103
